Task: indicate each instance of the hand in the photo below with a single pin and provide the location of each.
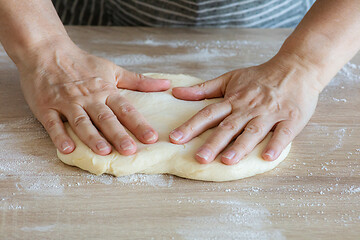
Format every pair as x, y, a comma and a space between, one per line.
255, 100
60, 81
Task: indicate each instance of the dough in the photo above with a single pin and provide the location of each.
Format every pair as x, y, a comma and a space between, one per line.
164, 113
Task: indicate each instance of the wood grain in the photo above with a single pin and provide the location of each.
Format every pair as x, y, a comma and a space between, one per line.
315, 193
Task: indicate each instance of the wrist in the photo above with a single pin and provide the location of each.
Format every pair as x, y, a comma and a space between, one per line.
42, 51
300, 69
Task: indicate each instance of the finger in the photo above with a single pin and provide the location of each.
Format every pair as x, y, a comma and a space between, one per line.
209, 89
221, 137
206, 118
85, 130
284, 133
139, 82
55, 127
253, 133
132, 119
110, 126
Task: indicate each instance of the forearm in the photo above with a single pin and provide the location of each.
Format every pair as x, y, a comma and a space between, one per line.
25, 24
327, 38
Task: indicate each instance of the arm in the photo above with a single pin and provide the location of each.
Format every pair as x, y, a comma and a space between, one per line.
26, 24
326, 39
60, 81
280, 93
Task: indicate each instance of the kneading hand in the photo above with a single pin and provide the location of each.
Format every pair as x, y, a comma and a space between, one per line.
68, 83
255, 100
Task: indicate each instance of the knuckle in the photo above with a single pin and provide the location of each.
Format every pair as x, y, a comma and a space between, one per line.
233, 98
140, 76
187, 127
140, 126
286, 131
228, 125
50, 125
105, 116
80, 119
58, 138
254, 128
252, 103
119, 137
113, 99
201, 85
126, 109
207, 112
241, 147
107, 86
294, 113
92, 138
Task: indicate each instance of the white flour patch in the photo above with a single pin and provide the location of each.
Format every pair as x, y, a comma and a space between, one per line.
4, 205
349, 73
352, 190
157, 180
151, 42
340, 134
233, 220
141, 59
103, 179
339, 100
33, 171
43, 228
48, 185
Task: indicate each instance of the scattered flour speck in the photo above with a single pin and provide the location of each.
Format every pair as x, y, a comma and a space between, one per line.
43, 228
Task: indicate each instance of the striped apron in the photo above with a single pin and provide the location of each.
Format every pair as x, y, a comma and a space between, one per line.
184, 13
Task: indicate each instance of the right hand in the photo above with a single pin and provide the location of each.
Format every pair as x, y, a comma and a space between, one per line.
60, 81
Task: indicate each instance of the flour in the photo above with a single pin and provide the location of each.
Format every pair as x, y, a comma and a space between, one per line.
339, 100
234, 220
194, 52
350, 72
19, 162
149, 180
142, 59
37, 175
10, 206
43, 228
337, 135
340, 134
151, 42
156, 181
352, 190
49, 185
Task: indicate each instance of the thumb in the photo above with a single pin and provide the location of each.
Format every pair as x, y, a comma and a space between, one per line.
138, 82
209, 89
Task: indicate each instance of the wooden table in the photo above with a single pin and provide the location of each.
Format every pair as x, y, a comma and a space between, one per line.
314, 193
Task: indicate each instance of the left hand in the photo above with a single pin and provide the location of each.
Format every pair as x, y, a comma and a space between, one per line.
255, 100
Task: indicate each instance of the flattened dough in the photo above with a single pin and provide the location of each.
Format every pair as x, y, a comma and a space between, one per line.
164, 113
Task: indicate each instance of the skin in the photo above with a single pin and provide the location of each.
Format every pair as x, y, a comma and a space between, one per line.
61, 82
281, 93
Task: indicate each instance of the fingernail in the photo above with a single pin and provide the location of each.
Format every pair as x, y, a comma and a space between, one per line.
204, 153
102, 146
65, 146
176, 135
126, 145
270, 153
229, 155
149, 135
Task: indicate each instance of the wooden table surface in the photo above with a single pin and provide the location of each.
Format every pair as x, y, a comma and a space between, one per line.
314, 193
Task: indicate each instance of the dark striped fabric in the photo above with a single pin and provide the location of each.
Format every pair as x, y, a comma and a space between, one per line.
184, 13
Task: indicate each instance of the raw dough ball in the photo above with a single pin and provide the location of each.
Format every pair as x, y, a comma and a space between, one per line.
164, 113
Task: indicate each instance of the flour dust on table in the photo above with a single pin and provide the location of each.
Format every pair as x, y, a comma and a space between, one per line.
163, 156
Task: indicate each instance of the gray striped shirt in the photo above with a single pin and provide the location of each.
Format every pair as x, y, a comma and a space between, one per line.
184, 13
